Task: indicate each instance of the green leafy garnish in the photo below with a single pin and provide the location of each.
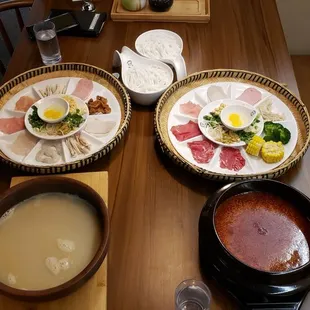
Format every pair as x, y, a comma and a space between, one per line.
74, 119
34, 119
213, 120
245, 136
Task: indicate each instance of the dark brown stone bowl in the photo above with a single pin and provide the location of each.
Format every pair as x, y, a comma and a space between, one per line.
41, 185
243, 278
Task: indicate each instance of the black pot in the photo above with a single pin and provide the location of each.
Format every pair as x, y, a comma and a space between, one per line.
248, 284
160, 5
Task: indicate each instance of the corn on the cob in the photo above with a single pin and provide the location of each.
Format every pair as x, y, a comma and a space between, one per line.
255, 145
272, 152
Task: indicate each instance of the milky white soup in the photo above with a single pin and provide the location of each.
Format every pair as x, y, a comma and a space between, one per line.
47, 240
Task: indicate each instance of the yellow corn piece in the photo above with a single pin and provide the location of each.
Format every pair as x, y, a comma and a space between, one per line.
255, 145
272, 152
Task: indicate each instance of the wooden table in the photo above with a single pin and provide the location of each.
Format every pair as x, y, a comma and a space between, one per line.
154, 205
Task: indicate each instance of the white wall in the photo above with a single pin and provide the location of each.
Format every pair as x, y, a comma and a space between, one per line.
295, 17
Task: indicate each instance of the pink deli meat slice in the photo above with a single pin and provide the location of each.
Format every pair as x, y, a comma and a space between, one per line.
202, 151
24, 103
186, 131
231, 159
190, 109
11, 125
251, 96
83, 89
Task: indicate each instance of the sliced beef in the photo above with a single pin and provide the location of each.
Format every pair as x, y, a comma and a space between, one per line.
202, 151
231, 159
186, 131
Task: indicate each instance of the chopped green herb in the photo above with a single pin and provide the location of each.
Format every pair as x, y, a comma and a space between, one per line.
245, 136
34, 119
213, 120
74, 120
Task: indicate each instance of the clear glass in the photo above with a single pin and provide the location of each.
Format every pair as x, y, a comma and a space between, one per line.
47, 42
192, 295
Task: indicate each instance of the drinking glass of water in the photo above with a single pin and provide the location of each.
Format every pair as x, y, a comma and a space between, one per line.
192, 295
47, 42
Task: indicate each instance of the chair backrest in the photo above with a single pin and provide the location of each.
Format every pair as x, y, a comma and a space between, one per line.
8, 5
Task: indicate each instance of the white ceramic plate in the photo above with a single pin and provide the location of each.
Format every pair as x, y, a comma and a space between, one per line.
211, 107
232, 90
81, 105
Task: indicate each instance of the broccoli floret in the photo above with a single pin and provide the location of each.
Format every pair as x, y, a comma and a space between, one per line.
276, 132
285, 135
269, 127
268, 138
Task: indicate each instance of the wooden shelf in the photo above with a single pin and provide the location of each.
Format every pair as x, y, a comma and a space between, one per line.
190, 11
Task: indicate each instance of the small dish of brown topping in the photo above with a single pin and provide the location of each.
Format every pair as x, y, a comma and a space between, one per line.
98, 106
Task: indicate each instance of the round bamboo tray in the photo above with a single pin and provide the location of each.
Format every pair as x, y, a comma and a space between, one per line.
180, 88
78, 70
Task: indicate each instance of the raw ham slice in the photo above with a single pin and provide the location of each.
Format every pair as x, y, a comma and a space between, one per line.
11, 125
202, 151
24, 103
186, 131
190, 109
83, 89
231, 159
216, 93
251, 96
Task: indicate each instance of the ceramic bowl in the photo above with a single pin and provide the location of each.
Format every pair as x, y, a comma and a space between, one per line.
127, 58
41, 185
245, 112
55, 102
178, 62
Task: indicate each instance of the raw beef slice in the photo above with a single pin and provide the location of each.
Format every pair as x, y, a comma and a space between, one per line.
202, 151
231, 159
83, 89
186, 131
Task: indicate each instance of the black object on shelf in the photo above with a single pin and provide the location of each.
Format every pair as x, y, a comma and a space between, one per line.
74, 23
253, 289
90, 24
160, 5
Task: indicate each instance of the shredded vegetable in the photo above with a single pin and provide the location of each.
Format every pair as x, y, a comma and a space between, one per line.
265, 109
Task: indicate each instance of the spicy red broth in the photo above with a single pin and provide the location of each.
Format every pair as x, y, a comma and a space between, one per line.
263, 231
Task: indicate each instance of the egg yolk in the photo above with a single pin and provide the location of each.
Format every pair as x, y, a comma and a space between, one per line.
235, 120
52, 113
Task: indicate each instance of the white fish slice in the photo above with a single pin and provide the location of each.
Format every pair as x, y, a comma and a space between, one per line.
216, 93
97, 126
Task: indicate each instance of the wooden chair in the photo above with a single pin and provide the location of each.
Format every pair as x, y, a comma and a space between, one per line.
8, 5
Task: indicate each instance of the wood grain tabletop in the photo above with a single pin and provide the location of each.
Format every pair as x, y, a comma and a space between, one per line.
155, 205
